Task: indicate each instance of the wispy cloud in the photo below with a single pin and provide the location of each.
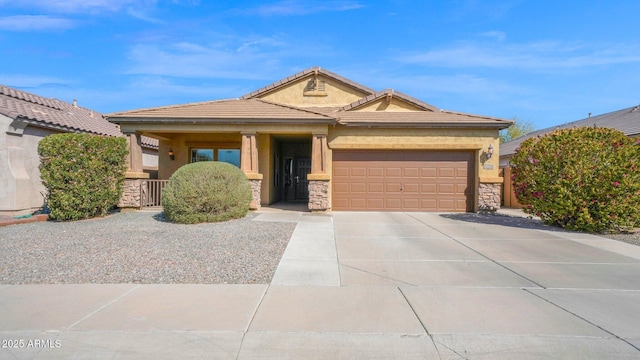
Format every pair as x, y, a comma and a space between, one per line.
34, 23
22, 81
76, 6
535, 56
247, 59
301, 7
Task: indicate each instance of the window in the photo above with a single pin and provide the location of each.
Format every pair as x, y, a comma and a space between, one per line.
231, 156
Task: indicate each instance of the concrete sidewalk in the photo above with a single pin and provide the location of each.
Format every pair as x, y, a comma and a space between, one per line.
360, 286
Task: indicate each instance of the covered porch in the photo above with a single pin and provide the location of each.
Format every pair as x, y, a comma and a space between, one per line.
283, 163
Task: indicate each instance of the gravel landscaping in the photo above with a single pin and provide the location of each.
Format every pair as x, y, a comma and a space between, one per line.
140, 247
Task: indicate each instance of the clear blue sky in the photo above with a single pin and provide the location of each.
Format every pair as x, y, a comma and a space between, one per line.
547, 62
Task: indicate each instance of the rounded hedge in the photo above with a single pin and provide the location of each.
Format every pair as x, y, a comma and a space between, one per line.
580, 179
206, 191
84, 174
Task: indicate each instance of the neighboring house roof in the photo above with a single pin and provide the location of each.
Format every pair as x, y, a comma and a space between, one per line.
252, 109
302, 74
626, 120
30, 109
52, 113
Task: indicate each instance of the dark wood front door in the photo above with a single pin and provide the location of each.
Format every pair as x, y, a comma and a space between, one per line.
301, 184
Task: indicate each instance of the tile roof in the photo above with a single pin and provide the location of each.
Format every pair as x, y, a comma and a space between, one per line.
251, 109
53, 113
247, 110
384, 93
626, 120
443, 119
305, 73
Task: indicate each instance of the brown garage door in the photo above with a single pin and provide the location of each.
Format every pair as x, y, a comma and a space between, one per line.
403, 180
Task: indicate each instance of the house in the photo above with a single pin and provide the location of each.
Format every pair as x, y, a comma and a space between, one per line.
319, 138
626, 120
25, 119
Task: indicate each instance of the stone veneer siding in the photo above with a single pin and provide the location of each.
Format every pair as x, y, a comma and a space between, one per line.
131, 196
256, 186
318, 195
489, 197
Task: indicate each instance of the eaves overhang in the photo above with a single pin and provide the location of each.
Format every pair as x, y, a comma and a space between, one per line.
431, 125
222, 121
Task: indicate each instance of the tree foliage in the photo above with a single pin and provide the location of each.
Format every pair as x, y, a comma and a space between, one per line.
518, 129
206, 192
580, 179
83, 174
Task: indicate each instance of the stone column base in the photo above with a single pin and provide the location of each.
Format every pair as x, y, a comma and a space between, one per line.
318, 195
131, 194
256, 186
489, 197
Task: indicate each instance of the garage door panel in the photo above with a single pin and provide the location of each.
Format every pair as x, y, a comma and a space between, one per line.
410, 172
429, 189
393, 204
358, 188
447, 189
429, 173
393, 172
403, 180
376, 172
411, 188
391, 188
358, 172
376, 188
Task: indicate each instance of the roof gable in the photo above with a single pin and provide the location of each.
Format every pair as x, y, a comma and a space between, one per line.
314, 87
389, 100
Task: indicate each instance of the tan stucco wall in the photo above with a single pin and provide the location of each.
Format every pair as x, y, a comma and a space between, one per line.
337, 94
20, 186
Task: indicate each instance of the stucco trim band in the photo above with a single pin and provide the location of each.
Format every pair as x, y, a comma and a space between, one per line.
407, 146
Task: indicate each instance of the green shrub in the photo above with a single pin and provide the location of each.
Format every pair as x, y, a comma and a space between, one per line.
580, 179
206, 192
83, 174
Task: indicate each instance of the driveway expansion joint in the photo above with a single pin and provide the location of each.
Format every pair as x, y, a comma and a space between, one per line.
122, 296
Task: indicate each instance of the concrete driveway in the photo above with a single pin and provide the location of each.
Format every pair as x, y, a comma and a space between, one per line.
363, 285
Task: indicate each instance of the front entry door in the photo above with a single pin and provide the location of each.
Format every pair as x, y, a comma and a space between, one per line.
301, 184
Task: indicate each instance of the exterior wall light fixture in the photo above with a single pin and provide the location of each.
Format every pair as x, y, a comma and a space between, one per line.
172, 156
489, 151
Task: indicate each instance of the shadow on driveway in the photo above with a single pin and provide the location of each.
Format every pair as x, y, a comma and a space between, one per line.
502, 220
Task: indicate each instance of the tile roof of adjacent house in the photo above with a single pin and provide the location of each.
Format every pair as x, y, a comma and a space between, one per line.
230, 110
626, 120
305, 73
53, 113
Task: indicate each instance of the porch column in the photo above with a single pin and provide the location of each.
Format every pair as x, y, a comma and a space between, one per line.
318, 178
249, 164
319, 154
135, 177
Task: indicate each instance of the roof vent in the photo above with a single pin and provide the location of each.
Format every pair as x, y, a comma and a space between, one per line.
75, 103
637, 108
